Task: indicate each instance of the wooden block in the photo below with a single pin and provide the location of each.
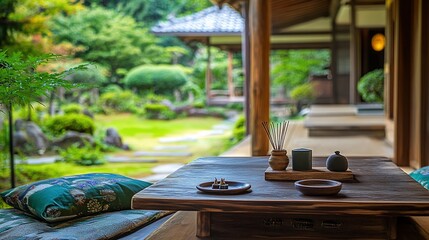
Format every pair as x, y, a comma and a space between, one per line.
315, 173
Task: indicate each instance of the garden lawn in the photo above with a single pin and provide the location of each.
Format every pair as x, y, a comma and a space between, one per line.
143, 135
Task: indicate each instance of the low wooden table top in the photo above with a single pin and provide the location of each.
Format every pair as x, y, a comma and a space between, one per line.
381, 188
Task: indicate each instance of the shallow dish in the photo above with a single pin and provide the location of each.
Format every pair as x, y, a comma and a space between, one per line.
233, 188
318, 187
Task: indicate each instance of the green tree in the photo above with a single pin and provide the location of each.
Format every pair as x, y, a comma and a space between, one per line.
21, 19
292, 67
21, 84
110, 39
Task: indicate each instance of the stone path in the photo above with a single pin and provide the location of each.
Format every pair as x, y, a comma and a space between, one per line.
162, 171
169, 148
162, 154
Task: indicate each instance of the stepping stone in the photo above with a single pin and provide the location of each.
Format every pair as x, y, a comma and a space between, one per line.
177, 147
167, 168
222, 127
130, 160
162, 154
210, 133
42, 160
178, 139
155, 177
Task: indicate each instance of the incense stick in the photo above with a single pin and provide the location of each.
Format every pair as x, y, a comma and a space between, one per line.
276, 133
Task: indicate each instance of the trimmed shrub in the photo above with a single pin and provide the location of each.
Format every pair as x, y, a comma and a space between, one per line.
60, 124
72, 108
118, 101
303, 92
239, 130
371, 86
158, 111
85, 156
159, 79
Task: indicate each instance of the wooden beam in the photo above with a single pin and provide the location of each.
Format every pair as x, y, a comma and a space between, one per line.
230, 77
402, 88
425, 84
389, 62
353, 53
260, 31
208, 72
245, 50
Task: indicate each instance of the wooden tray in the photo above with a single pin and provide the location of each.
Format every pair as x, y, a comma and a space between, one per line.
316, 172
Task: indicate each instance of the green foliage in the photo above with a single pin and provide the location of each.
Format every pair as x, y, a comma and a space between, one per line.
109, 38
28, 17
85, 156
92, 77
239, 130
159, 79
158, 111
21, 84
72, 108
292, 67
33, 112
112, 88
371, 86
153, 11
59, 124
117, 100
303, 92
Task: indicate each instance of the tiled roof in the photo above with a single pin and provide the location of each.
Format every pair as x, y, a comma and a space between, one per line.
210, 21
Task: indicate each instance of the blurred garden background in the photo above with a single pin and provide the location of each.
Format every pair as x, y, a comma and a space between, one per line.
132, 101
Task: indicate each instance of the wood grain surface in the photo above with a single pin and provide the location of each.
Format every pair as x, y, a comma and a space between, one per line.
381, 189
315, 173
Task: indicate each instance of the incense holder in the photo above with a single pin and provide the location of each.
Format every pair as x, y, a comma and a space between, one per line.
278, 160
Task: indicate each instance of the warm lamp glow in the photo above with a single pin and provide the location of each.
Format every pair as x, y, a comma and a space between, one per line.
378, 42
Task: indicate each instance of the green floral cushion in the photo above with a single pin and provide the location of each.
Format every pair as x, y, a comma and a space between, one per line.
421, 176
74, 196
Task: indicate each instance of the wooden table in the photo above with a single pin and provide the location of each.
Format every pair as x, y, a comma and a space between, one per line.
365, 208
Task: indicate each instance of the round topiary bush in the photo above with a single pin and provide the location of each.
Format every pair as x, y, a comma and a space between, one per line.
118, 101
72, 108
159, 79
371, 86
60, 124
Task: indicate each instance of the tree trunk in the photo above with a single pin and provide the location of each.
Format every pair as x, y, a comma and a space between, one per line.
51, 103
11, 148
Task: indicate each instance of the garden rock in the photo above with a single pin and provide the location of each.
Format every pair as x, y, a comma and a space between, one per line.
73, 138
29, 138
88, 113
20, 141
36, 137
113, 138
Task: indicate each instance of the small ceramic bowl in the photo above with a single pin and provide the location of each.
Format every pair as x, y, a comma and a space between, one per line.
318, 187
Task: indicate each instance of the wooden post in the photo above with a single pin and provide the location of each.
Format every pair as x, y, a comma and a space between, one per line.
353, 53
203, 224
402, 88
424, 8
208, 72
245, 51
389, 61
230, 77
260, 31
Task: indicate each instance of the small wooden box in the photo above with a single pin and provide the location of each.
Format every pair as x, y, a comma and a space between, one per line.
315, 173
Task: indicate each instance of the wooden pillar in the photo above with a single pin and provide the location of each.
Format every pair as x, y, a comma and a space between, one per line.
402, 91
245, 52
334, 58
230, 77
424, 8
353, 53
389, 61
208, 73
260, 31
